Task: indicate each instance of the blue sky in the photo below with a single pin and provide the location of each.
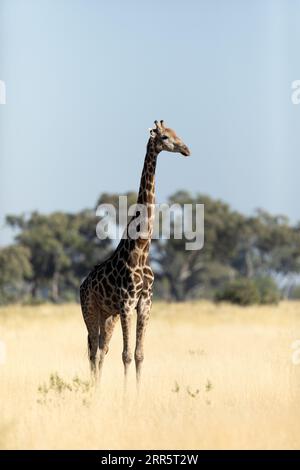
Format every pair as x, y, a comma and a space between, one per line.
85, 79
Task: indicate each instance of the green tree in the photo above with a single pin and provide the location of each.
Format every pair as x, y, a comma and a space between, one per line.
194, 274
15, 269
62, 247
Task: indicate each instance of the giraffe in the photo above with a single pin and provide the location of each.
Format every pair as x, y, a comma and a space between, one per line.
123, 282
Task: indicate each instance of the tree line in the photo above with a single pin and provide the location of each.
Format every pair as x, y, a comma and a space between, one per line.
253, 257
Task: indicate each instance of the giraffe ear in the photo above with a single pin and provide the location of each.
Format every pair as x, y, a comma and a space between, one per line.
152, 132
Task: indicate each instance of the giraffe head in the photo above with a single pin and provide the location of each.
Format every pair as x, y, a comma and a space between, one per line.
165, 138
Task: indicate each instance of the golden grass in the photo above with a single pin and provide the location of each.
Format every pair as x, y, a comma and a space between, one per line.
215, 377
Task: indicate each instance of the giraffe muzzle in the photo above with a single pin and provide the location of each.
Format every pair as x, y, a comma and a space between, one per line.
185, 151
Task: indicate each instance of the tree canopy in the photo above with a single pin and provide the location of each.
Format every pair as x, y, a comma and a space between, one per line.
52, 253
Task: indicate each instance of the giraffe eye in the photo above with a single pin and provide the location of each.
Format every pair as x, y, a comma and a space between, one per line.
164, 137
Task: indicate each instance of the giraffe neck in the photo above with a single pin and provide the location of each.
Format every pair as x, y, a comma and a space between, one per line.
135, 251
146, 194
146, 197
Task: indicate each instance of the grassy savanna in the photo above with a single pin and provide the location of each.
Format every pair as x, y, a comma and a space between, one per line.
215, 376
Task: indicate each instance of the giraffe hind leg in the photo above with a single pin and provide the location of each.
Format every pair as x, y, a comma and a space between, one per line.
92, 323
106, 330
92, 349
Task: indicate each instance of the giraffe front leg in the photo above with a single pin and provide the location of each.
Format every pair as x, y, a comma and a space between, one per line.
143, 314
126, 317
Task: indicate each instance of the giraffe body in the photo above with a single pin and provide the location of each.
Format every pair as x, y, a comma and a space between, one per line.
123, 283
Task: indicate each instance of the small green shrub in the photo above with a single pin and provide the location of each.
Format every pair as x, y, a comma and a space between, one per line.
295, 294
58, 387
268, 290
244, 291
241, 291
34, 301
